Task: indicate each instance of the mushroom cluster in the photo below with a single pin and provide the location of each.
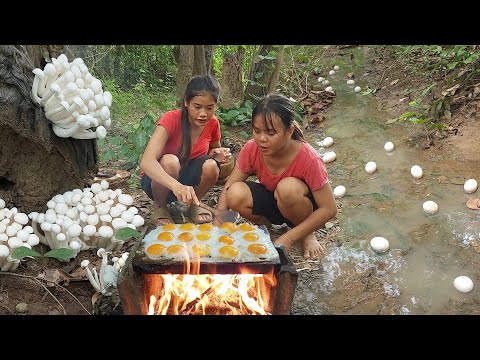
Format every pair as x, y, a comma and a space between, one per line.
73, 99
88, 218
106, 278
14, 233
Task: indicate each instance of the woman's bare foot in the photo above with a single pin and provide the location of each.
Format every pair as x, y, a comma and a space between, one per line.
311, 247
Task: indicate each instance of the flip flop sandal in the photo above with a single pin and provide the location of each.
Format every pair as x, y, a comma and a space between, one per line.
160, 214
473, 203
195, 211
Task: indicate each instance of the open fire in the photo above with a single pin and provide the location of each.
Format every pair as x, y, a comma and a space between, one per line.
200, 288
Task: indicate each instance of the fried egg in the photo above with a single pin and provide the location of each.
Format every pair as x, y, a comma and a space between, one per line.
228, 243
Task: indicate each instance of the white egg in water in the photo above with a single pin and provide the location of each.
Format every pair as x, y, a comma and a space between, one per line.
371, 167
379, 244
430, 207
350, 82
389, 146
470, 186
329, 156
326, 83
320, 79
339, 191
336, 68
358, 89
463, 284
416, 171
332, 72
327, 142
329, 89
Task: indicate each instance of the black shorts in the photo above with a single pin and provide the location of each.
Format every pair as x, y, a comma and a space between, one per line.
190, 174
264, 204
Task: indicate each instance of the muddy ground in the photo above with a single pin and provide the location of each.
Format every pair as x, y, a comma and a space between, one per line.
50, 287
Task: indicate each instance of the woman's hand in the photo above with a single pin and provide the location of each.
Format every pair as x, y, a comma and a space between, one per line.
221, 154
185, 194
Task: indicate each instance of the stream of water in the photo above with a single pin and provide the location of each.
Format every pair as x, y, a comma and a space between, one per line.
427, 252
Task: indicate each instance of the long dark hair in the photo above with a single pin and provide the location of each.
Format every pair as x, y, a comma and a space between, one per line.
283, 107
198, 85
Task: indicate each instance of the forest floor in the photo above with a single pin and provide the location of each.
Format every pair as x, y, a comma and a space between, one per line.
50, 287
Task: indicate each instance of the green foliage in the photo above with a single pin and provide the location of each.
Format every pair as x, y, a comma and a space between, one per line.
130, 148
62, 254
237, 115
127, 233
418, 114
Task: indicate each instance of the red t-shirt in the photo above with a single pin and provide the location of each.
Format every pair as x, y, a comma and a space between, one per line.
307, 166
171, 121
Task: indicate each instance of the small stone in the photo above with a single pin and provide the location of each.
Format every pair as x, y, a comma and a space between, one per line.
329, 225
21, 308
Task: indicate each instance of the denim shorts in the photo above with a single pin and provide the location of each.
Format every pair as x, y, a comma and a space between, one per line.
190, 174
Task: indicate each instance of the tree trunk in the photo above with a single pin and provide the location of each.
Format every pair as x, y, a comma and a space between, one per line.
272, 86
209, 58
260, 74
231, 82
185, 60
35, 164
199, 63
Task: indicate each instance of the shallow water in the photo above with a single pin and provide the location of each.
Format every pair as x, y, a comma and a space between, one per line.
427, 252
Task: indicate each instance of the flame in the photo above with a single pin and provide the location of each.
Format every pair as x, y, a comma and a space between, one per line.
194, 293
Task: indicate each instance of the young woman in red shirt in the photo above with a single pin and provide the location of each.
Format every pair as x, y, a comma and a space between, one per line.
182, 159
292, 185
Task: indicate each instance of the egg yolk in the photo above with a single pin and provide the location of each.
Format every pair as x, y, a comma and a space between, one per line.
229, 226
205, 227
175, 249
155, 250
185, 237
203, 236
169, 226
251, 237
165, 236
246, 227
201, 249
228, 251
257, 249
226, 239
187, 226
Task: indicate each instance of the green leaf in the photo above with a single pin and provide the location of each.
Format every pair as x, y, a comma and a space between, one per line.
127, 233
22, 251
258, 75
452, 65
244, 134
60, 254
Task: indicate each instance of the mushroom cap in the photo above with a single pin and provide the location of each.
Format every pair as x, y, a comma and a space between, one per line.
84, 263
4, 251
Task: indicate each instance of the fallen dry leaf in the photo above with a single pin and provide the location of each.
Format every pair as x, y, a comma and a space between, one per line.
394, 82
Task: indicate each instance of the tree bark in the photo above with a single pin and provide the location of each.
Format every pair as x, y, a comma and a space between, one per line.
35, 164
231, 82
185, 60
199, 63
209, 58
272, 86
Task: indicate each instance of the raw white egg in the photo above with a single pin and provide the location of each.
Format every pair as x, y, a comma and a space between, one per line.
350, 82
326, 83
416, 171
379, 244
329, 89
339, 191
329, 156
327, 142
370, 167
470, 186
320, 79
463, 284
336, 68
389, 146
358, 89
332, 72
430, 207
